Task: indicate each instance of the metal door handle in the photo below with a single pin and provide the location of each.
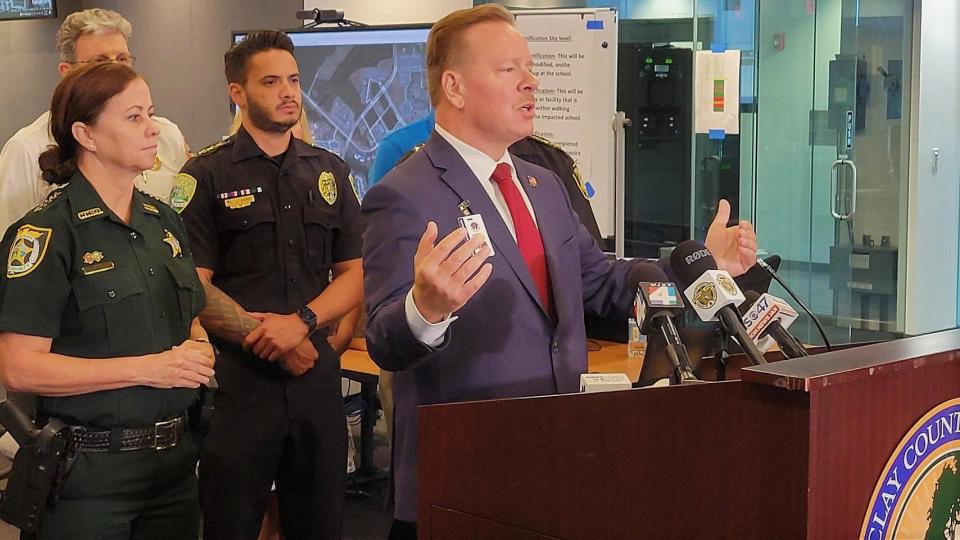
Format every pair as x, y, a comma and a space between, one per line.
835, 184
853, 188
834, 180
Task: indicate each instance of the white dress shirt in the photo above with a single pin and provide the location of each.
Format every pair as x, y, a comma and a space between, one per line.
482, 167
22, 187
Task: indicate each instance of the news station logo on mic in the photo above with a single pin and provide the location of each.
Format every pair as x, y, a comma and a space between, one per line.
705, 295
762, 313
655, 294
713, 290
918, 493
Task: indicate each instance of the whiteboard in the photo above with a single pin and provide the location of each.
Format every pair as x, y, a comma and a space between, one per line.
575, 58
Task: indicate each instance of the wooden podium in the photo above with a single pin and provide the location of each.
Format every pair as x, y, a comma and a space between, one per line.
792, 450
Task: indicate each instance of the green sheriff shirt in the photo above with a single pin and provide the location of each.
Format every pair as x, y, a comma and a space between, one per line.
101, 289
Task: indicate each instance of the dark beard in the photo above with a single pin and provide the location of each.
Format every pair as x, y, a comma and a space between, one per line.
260, 118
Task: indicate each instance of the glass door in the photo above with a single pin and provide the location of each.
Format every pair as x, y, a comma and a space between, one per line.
830, 158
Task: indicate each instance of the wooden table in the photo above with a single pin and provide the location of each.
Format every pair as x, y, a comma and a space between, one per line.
356, 365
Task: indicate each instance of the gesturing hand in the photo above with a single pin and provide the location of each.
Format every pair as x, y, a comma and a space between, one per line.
445, 276
734, 248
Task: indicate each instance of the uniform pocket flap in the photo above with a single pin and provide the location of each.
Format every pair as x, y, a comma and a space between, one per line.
185, 276
314, 215
105, 288
242, 219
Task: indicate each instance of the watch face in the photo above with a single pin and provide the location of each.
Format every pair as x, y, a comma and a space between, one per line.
308, 316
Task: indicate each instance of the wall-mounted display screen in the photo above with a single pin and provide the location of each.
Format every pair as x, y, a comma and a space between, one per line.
13, 10
358, 85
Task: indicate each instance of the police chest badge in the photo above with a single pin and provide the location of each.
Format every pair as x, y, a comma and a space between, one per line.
28, 250
327, 185
171, 240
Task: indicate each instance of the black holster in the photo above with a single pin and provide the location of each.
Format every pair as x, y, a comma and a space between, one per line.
40, 467
201, 411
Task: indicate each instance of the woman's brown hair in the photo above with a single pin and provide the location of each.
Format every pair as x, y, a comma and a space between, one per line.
80, 97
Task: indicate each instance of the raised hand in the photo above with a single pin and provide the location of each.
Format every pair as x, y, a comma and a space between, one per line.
734, 248
446, 276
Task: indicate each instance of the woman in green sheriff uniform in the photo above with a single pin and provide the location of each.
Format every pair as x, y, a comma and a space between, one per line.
98, 310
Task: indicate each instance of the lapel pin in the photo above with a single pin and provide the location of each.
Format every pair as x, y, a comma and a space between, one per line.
532, 180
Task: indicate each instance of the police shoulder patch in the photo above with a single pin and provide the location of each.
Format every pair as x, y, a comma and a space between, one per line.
579, 179
353, 185
28, 249
184, 188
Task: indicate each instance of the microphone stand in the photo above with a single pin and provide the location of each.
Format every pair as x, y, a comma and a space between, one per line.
720, 353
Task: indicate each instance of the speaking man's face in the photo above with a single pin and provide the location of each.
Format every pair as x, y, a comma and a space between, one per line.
497, 82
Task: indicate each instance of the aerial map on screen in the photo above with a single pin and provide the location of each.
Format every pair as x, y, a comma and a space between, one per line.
358, 85
26, 9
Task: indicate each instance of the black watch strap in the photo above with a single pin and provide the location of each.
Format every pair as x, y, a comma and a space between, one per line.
308, 317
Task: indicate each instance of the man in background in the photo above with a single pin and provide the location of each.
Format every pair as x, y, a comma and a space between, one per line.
535, 149
91, 35
270, 217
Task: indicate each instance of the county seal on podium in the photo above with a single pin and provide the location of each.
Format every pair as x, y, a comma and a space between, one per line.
918, 493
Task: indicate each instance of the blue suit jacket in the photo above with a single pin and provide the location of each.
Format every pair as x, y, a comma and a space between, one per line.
503, 344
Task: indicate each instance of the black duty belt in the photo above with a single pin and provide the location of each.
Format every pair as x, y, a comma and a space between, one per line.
160, 436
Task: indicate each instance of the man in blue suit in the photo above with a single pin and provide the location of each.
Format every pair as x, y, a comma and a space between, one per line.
499, 315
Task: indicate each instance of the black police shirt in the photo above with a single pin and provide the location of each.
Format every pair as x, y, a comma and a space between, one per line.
270, 229
101, 288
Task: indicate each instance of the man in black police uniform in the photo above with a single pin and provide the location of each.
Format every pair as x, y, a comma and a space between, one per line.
269, 217
551, 155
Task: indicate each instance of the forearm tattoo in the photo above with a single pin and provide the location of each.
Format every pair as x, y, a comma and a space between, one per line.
224, 317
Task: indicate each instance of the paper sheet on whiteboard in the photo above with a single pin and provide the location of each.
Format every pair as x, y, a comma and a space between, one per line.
717, 97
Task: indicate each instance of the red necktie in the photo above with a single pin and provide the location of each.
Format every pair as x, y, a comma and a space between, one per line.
528, 236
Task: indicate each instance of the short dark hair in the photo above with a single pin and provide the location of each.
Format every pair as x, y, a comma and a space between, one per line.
80, 97
236, 58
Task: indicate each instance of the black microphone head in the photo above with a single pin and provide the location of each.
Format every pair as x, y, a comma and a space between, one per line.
773, 261
689, 260
751, 298
645, 271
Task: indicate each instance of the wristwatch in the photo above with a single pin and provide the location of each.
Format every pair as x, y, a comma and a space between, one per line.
308, 317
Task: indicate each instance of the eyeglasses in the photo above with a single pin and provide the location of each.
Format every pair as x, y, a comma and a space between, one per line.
119, 59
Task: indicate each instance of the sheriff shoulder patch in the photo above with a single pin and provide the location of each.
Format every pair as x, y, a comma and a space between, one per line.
28, 249
184, 187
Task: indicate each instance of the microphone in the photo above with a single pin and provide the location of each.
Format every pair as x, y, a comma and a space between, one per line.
658, 302
766, 319
712, 293
767, 265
